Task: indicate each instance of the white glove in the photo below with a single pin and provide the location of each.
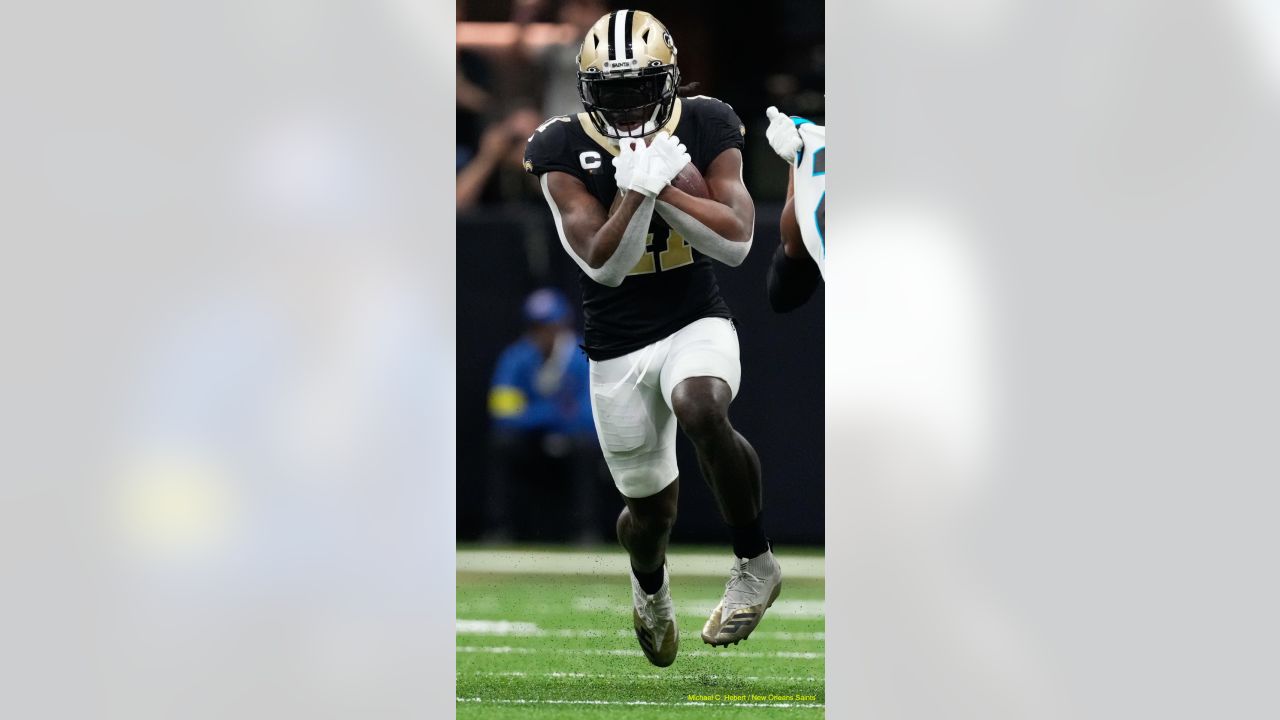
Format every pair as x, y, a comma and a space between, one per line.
624, 163
783, 135
665, 157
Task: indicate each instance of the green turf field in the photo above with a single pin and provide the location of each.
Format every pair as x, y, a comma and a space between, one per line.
547, 634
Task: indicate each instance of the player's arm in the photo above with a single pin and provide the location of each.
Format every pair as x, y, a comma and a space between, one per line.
722, 225
606, 246
793, 275
788, 225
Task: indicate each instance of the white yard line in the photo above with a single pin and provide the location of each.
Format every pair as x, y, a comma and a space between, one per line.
691, 703
782, 609
508, 650
644, 676
575, 562
511, 628
793, 609
498, 627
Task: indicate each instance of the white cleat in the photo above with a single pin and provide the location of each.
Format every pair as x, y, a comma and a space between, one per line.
655, 621
753, 586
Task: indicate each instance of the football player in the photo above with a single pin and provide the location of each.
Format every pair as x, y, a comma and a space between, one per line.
800, 260
662, 347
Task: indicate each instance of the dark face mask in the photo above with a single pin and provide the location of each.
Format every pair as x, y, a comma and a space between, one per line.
626, 93
628, 120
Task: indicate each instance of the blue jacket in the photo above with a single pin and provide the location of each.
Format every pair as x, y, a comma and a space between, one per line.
563, 405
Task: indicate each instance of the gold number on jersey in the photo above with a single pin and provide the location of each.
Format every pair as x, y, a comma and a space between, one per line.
645, 265
678, 254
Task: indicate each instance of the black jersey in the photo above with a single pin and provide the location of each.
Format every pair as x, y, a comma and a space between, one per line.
673, 284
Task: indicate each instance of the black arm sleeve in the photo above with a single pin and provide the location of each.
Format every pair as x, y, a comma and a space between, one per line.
791, 281
549, 149
717, 129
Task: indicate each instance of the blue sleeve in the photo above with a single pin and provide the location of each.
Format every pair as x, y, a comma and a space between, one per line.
507, 371
513, 403
510, 390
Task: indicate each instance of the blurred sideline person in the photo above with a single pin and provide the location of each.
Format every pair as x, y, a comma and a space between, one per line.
493, 174
544, 453
473, 89
558, 61
800, 260
661, 340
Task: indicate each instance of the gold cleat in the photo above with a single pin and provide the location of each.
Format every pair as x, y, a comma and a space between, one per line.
654, 617
753, 586
659, 652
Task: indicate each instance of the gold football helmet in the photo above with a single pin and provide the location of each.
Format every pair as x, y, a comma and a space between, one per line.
627, 74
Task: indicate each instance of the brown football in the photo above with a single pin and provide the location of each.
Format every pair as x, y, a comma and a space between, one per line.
689, 180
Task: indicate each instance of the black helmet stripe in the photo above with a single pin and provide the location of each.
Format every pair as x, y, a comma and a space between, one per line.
613, 46
631, 21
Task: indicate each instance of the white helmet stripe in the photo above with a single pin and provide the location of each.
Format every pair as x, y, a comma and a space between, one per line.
620, 27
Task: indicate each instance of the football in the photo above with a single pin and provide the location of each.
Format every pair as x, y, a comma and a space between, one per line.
690, 181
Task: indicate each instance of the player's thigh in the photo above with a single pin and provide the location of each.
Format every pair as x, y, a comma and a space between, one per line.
636, 428
704, 348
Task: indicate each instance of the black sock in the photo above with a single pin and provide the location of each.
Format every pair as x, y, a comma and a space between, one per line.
749, 540
650, 582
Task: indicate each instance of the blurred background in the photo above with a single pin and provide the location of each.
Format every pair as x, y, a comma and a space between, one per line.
515, 68
1053, 248
228, 305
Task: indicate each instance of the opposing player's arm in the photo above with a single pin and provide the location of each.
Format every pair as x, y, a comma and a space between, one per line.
722, 225
792, 240
605, 245
793, 275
